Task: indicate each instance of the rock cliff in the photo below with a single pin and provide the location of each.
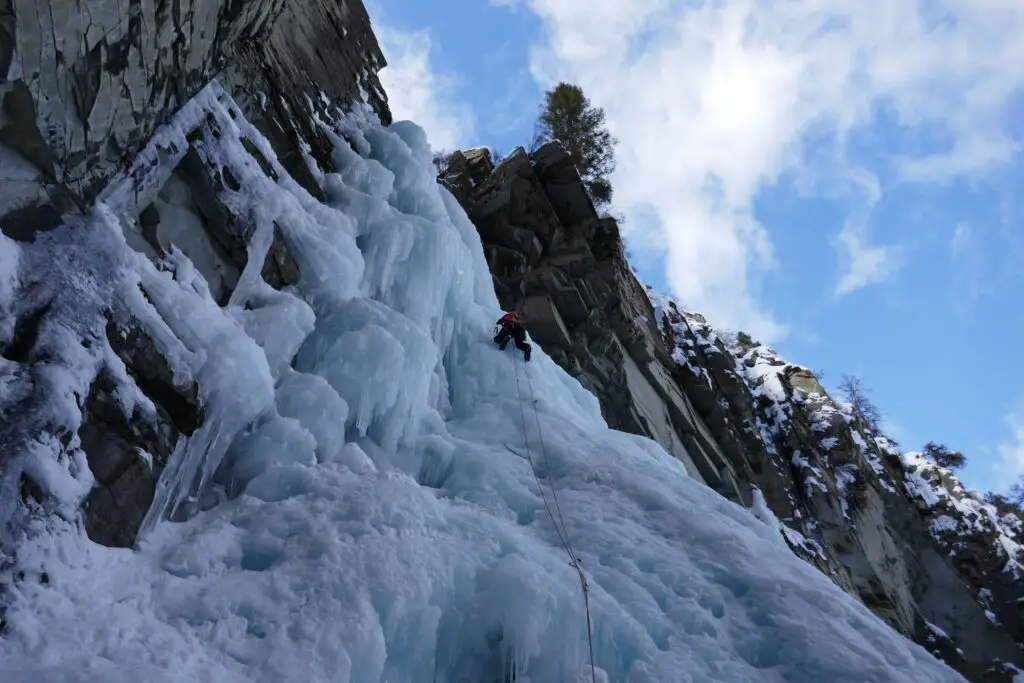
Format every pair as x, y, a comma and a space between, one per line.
84, 86
563, 267
896, 531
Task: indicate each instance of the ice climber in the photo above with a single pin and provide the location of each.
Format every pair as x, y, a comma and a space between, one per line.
512, 328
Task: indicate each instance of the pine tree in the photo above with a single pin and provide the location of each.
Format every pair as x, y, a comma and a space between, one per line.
943, 456
1016, 494
1011, 503
1004, 505
569, 117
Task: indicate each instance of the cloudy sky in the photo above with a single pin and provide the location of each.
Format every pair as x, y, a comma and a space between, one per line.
842, 179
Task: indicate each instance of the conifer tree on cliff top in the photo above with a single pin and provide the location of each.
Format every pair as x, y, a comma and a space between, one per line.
569, 117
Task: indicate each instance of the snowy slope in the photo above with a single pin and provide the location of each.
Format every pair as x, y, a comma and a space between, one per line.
959, 514
359, 504
855, 506
987, 546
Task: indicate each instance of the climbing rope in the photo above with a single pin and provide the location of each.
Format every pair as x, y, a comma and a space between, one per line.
559, 529
562, 531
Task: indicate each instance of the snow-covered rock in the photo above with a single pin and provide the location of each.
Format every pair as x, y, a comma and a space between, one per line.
984, 544
892, 528
83, 92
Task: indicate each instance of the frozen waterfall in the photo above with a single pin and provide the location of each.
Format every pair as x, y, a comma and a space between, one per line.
358, 505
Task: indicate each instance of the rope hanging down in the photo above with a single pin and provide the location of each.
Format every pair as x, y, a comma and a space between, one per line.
562, 531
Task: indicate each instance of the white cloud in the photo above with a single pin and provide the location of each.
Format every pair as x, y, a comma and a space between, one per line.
866, 264
1011, 452
862, 263
967, 263
417, 91
962, 241
714, 101
975, 154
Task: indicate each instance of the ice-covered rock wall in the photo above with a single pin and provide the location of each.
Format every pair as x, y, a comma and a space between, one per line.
84, 85
742, 419
374, 492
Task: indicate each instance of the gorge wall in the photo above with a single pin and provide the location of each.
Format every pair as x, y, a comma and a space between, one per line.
84, 87
896, 531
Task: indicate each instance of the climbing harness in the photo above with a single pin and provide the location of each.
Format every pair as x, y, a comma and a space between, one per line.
562, 531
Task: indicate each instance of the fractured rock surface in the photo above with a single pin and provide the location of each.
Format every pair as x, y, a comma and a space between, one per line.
84, 84
555, 260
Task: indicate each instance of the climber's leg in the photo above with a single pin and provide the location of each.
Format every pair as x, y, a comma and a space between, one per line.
501, 339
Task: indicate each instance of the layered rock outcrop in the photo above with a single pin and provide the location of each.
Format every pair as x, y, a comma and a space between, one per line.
893, 531
563, 267
84, 86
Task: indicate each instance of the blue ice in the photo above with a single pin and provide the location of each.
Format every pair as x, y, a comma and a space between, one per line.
375, 516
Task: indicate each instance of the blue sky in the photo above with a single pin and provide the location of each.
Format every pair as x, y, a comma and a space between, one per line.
842, 179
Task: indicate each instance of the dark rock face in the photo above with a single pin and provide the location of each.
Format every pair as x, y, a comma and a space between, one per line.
126, 453
744, 421
564, 269
305, 59
84, 85
83, 89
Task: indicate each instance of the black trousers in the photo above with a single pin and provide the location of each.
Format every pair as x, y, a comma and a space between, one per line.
517, 335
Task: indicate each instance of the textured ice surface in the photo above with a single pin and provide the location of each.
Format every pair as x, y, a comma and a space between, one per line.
378, 519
